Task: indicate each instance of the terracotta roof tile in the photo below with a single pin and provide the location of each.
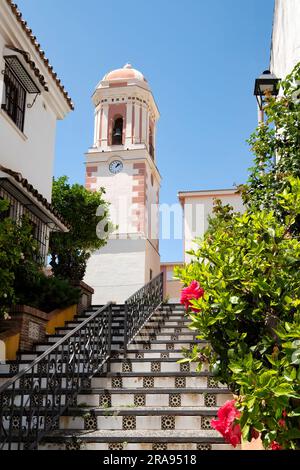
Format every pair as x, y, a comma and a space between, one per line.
28, 31
25, 183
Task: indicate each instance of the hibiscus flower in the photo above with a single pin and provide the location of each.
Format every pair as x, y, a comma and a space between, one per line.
192, 292
226, 425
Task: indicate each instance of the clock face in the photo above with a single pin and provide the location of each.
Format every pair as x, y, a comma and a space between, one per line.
116, 166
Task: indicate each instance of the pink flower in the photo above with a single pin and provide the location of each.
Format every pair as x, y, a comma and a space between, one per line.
284, 413
281, 423
225, 424
192, 292
275, 446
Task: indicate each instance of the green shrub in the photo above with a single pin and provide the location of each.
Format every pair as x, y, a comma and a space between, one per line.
80, 208
16, 246
34, 288
249, 268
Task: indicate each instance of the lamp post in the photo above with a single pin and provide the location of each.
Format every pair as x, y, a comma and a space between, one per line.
266, 83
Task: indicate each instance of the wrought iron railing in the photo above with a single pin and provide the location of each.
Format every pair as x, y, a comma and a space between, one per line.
33, 400
140, 306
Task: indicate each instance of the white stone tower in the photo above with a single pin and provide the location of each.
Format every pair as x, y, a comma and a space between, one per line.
123, 161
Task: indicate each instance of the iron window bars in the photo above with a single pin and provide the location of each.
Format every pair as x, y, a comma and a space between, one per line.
17, 82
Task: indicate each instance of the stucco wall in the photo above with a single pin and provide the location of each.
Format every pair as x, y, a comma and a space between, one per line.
172, 287
196, 213
285, 50
117, 270
152, 261
31, 152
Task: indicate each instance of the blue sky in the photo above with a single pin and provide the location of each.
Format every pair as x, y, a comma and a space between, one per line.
200, 57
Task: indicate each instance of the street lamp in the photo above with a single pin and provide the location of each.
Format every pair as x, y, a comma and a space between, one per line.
266, 83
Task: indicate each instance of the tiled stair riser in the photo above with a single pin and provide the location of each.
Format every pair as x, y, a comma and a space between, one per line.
151, 399
129, 446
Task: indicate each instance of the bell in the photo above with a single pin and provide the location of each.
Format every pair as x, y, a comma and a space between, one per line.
117, 133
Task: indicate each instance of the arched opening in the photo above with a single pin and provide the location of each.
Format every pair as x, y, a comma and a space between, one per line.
151, 147
117, 132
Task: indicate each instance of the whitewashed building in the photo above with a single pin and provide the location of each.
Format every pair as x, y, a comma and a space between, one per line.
197, 207
285, 48
32, 100
123, 161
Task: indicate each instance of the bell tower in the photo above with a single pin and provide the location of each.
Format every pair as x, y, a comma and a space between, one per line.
123, 161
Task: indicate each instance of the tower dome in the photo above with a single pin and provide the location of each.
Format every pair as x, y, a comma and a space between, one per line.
125, 73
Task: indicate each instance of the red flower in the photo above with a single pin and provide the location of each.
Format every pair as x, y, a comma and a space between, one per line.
275, 446
225, 424
281, 423
284, 413
192, 292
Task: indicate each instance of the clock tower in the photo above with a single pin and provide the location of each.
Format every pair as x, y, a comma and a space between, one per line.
123, 161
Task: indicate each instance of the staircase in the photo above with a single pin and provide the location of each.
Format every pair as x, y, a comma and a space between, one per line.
142, 399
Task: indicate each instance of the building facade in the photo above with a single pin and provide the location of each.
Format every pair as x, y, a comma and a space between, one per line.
285, 48
123, 161
32, 100
172, 286
198, 207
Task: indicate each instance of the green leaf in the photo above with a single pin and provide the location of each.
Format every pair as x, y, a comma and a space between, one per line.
246, 432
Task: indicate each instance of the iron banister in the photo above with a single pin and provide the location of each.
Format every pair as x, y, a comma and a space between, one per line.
140, 306
39, 394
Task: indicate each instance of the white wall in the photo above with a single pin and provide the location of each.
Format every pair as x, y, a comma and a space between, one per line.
152, 261
285, 52
31, 152
118, 191
117, 270
195, 218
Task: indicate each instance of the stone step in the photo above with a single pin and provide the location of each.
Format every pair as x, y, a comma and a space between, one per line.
134, 440
147, 329
132, 354
149, 354
165, 345
187, 336
155, 418
52, 339
136, 365
142, 344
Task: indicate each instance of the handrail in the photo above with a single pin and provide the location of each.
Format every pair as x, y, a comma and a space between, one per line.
33, 400
140, 306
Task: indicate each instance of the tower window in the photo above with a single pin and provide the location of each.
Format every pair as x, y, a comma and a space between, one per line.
117, 133
151, 147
